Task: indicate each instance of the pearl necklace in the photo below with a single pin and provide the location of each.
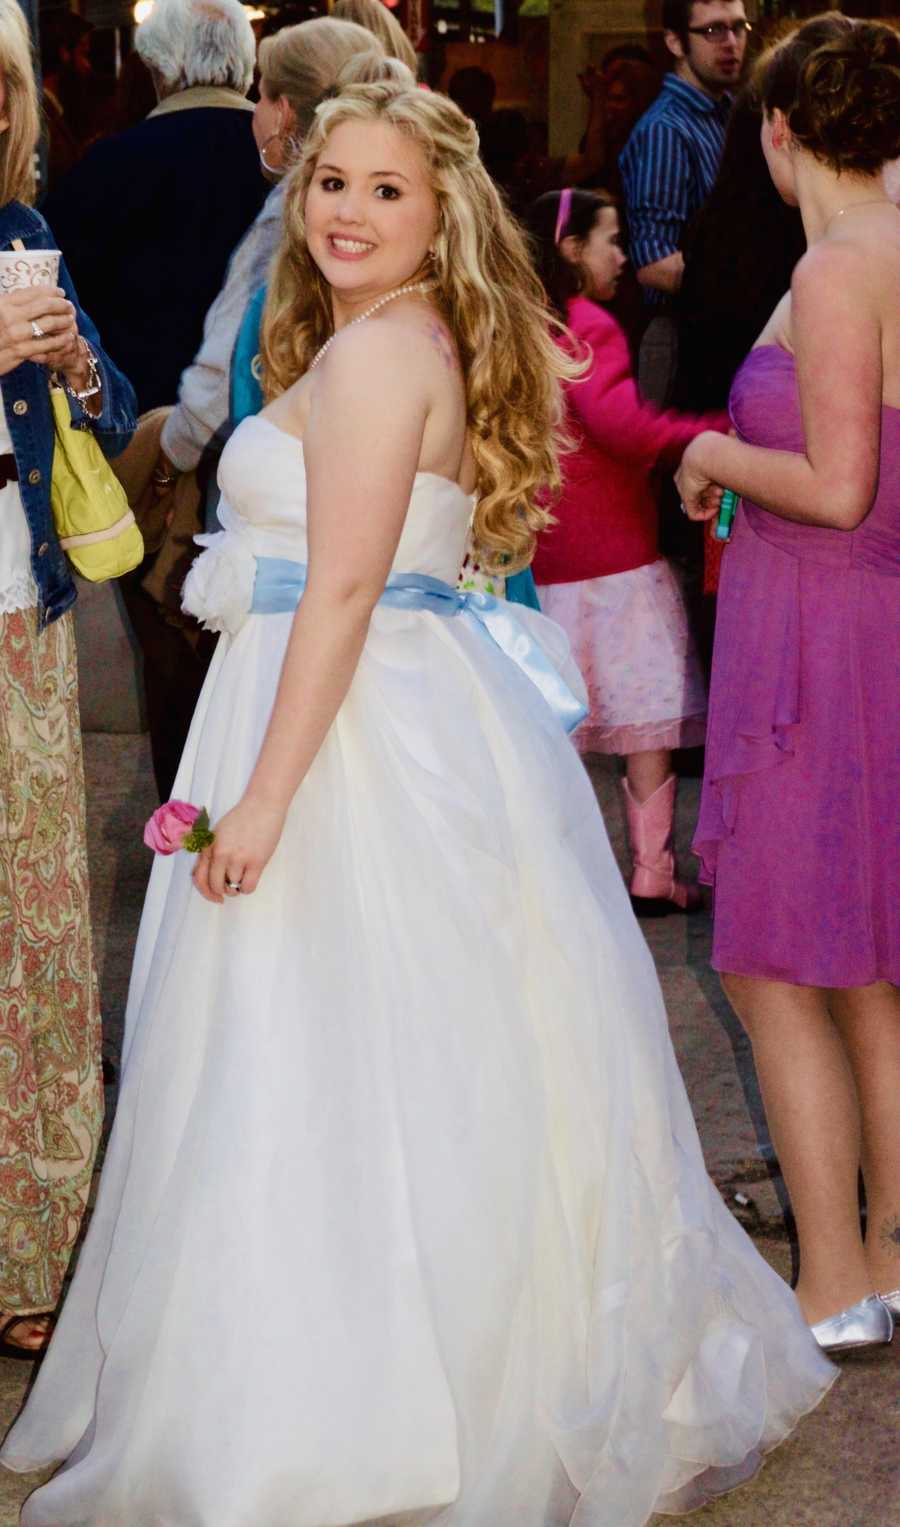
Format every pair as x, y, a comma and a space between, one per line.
402, 291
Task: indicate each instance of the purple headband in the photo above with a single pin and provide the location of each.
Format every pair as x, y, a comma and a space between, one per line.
562, 216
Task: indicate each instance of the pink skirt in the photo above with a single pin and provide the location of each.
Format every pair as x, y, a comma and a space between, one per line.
629, 636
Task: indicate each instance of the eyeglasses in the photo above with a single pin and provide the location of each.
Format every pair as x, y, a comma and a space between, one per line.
720, 31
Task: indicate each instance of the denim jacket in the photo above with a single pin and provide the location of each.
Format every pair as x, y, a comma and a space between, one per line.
29, 417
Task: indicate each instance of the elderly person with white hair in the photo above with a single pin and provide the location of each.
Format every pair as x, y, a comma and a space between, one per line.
149, 218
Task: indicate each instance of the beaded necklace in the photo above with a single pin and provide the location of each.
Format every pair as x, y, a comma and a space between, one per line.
402, 291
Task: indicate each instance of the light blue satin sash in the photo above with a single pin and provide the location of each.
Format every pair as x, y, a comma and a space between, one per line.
279, 588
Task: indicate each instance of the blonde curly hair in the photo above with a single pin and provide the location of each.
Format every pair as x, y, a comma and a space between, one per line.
491, 299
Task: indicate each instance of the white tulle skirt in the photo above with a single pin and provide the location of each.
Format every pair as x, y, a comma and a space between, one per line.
404, 1217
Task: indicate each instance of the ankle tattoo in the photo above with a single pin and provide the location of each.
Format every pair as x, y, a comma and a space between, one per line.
889, 1235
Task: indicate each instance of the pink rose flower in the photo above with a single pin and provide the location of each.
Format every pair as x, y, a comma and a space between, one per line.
169, 825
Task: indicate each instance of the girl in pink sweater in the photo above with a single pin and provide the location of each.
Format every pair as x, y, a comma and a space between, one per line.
598, 569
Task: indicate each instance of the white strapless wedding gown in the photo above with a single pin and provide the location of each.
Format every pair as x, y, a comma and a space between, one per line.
404, 1216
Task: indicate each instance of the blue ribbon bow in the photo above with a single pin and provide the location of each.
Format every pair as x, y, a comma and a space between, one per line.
279, 588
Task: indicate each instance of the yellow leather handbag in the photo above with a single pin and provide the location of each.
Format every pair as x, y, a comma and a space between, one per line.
96, 527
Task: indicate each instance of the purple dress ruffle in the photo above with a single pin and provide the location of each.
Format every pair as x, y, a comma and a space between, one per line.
799, 828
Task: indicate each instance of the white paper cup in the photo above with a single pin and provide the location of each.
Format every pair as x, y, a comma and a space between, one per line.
28, 267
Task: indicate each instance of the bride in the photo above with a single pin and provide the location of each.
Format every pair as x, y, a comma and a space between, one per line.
404, 1217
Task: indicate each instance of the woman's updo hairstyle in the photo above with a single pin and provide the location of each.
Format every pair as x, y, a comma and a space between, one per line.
306, 61
838, 83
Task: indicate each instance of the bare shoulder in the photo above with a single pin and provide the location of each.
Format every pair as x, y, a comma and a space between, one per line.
833, 268
422, 336
399, 346
379, 339
837, 299
368, 364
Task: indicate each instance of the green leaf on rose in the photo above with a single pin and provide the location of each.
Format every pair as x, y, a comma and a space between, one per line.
200, 835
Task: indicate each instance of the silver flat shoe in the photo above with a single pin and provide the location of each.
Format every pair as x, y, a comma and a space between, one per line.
892, 1301
870, 1323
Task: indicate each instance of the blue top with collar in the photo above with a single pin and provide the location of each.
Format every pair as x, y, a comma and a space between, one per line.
29, 418
669, 166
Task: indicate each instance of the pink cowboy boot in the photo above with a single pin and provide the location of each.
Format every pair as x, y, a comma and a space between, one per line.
655, 888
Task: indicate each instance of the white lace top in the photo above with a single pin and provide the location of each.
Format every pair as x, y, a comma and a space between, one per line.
18, 590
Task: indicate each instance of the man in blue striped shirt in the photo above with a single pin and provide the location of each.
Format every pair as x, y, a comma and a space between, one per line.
671, 159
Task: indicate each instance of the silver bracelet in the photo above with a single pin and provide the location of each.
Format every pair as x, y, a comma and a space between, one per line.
95, 380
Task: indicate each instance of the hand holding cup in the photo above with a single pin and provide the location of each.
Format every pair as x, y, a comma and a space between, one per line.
36, 324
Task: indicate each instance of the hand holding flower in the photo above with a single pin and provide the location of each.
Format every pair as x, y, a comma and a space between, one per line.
178, 824
245, 840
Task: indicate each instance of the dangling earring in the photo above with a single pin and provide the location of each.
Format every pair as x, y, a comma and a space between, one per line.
292, 147
271, 169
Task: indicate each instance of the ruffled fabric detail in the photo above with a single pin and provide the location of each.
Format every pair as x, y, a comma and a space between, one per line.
218, 590
620, 741
757, 695
629, 636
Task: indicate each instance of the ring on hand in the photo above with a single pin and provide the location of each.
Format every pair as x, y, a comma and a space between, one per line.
232, 885
683, 506
37, 331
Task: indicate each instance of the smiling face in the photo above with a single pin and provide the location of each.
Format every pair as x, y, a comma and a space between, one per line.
371, 214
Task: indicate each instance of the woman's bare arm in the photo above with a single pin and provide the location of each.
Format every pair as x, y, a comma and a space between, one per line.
361, 446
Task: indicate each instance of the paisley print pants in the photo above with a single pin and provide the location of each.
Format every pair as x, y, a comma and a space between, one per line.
51, 1092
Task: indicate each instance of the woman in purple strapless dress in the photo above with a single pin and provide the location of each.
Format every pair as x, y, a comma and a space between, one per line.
798, 829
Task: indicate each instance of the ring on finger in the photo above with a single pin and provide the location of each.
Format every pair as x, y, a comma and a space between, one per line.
36, 330
683, 506
232, 885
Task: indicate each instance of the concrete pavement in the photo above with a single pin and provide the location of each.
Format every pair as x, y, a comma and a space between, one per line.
842, 1467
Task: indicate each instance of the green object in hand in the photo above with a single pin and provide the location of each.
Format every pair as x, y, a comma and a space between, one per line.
726, 515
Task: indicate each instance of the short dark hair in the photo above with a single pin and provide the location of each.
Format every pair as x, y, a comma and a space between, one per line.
676, 17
